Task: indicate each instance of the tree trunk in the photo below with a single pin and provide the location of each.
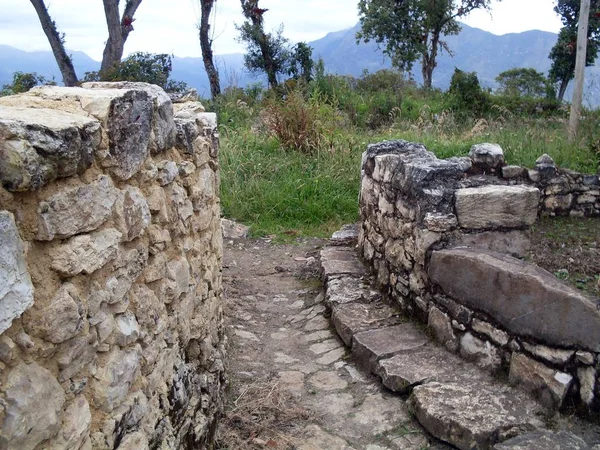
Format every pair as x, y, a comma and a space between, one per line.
118, 31
562, 89
206, 46
429, 60
65, 64
269, 65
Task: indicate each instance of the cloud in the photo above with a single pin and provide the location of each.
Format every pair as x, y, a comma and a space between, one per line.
171, 27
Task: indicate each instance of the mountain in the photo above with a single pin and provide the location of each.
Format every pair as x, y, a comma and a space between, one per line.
474, 50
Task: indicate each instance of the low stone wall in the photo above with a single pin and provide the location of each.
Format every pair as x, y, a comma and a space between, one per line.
111, 328
442, 237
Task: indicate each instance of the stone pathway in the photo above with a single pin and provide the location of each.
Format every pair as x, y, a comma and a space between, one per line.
282, 339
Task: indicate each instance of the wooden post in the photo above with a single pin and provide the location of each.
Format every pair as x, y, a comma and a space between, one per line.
582, 34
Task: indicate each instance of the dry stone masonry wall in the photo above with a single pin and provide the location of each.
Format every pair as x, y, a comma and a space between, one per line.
111, 328
444, 238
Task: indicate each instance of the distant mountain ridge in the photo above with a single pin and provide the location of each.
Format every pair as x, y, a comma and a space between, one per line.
474, 50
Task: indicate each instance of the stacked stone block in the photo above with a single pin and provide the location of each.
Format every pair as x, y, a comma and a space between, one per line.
111, 327
443, 238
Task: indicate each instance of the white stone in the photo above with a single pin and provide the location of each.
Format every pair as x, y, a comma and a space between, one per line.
16, 289
482, 352
132, 213
86, 253
76, 426
126, 330
497, 336
114, 378
76, 210
32, 406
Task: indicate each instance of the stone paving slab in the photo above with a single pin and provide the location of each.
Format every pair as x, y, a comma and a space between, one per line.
544, 440
474, 415
369, 347
348, 290
337, 261
349, 319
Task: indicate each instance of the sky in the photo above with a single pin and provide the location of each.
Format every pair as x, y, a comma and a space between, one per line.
170, 26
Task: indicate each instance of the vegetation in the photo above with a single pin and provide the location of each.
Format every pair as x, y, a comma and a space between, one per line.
414, 29
22, 82
291, 157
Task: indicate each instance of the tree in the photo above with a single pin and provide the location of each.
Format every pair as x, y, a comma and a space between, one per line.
57, 43
265, 52
413, 29
22, 82
465, 93
119, 28
522, 83
206, 46
563, 54
301, 63
145, 67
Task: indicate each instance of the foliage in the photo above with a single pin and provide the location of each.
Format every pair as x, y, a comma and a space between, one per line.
465, 94
523, 82
413, 29
145, 67
564, 52
301, 63
22, 82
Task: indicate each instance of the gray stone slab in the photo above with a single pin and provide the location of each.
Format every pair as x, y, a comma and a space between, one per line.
429, 363
348, 235
349, 319
473, 415
371, 346
515, 242
522, 297
347, 290
341, 261
544, 440
497, 206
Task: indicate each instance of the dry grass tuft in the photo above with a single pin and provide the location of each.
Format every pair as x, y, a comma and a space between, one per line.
262, 415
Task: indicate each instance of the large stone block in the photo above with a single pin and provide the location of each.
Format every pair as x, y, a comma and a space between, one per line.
522, 297
32, 407
86, 253
113, 379
16, 289
497, 206
38, 146
76, 210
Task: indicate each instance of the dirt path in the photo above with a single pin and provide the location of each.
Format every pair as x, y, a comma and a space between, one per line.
293, 385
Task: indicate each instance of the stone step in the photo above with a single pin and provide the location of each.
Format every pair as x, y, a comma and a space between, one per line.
350, 319
476, 415
453, 399
370, 347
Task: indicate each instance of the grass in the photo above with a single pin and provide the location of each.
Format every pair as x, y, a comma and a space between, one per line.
279, 187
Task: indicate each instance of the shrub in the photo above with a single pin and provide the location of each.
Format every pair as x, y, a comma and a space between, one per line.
465, 94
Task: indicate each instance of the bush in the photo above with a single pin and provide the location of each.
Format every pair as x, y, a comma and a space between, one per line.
465, 94
23, 82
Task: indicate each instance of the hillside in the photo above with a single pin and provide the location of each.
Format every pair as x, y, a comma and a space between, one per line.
474, 50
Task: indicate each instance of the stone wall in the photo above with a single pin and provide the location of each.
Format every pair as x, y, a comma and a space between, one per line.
111, 328
444, 237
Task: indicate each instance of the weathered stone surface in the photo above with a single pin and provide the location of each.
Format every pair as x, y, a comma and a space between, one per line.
483, 353
514, 242
341, 261
126, 330
552, 355
551, 386
134, 441
86, 253
441, 326
522, 297
348, 290
587, 384
369, 347
510, 172
472, 415
352, 318
497, 336
132, 213
544, 440
440, 222
74, 433
487, 156
497, 206
402, 372
167, 172
32, 406
113, 379
59, 319
348, 235
16, 289
76, 210
39, 145
163, 126
233, 230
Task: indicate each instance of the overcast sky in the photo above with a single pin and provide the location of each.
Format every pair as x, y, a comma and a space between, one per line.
169, 26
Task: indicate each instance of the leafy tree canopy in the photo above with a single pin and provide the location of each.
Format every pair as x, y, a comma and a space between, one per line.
522, 82
22, 82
